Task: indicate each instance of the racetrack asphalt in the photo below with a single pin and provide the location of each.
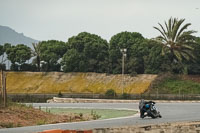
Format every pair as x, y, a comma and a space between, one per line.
171, 112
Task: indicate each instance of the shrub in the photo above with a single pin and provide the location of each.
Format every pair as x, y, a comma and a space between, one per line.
7, 125
110, 93
14, 67
28, 67
125, 96
41, 122
60, 94
95, 115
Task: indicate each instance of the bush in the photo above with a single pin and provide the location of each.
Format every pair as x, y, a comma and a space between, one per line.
41, 122
60, 94
50, 67
125, 96
7, 125
133, 74
28, 67
95, 115
14, 67
110, 93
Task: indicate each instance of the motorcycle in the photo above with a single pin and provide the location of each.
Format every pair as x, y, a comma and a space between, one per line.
148, 109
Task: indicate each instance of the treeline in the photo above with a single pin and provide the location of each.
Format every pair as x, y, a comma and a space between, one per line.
176, 51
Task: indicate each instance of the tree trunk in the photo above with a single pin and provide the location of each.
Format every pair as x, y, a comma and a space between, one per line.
1, 89
38, 63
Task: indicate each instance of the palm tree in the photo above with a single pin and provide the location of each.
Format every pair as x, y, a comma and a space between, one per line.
37, 53
176, 40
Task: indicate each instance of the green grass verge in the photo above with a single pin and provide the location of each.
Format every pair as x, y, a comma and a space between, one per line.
103, 113
173, 85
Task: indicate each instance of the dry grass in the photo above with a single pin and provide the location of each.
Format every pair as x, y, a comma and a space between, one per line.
18, 115
54, 82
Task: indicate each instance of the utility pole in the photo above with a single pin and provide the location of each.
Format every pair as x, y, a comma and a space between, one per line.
5, 92
2, 91
123, 51
3, 88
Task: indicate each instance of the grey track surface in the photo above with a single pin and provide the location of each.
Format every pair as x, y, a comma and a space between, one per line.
171, 112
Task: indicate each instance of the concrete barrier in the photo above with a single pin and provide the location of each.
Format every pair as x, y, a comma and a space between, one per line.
82, 100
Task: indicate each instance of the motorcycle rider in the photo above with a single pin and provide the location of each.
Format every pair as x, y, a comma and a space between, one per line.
144, 106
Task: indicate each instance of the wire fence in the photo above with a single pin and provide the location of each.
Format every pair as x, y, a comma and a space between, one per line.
45, 97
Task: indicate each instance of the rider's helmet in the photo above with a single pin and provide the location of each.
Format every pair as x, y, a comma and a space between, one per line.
147, 106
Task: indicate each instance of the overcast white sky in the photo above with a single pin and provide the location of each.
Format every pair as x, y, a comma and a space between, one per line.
61, 19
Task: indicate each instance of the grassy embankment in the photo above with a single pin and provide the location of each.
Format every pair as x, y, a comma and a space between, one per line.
55, 82
171, 84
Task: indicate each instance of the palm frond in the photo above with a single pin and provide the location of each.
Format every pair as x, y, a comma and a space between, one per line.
177, 55
184, 46
182, 29
174, 22
163, 51
161, 39
175, 28
186, 37
185, 56
170, 28
167, 28
190, 54
163, 34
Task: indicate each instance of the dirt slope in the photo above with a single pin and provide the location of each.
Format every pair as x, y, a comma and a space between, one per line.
21, 115
53, 82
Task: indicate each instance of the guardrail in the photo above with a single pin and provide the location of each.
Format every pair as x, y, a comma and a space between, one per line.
45, 97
